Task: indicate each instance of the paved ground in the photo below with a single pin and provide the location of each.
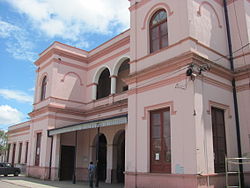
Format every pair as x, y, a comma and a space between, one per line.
27, 182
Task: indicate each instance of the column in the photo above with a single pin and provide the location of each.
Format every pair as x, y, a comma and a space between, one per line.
113, 84
55, 158
94, 90
10, 153
109, 163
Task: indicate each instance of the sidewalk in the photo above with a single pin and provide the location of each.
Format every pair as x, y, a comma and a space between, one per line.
28, 182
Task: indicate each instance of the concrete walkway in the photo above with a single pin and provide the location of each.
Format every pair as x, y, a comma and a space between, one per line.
27, 182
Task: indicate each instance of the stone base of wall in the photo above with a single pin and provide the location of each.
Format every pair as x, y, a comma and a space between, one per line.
149, 180
22, 167
43, 173
82, 174
156, 180
36, 172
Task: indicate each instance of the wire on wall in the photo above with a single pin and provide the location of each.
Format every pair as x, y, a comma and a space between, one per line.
239, 33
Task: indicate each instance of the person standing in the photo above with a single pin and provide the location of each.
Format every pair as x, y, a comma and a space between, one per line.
91, 170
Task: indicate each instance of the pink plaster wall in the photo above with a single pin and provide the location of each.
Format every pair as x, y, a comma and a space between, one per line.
146, 180
21, 134
194, 25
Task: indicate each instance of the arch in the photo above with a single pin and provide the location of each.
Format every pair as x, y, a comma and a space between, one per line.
118, 64
43, 88
103, 86
211, 6
158, 31
153, 10
117, 136
41, 78
119, 156
122, 73
102, 164
99, 72
73, 73
95, 138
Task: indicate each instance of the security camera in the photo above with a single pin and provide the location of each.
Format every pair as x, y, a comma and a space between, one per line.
190, 72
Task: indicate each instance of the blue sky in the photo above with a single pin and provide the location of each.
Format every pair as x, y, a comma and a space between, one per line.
27, 27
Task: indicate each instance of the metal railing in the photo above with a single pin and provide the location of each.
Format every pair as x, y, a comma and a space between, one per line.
234, 162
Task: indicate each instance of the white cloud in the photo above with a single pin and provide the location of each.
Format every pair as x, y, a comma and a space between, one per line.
32, 89
79, 43
19, 96
17, 41
70, 19
6, 29
9, 115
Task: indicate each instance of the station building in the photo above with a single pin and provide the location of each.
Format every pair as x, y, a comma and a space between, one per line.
155, 104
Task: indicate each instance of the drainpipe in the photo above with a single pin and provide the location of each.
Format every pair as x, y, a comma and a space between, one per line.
231, 60
74, 175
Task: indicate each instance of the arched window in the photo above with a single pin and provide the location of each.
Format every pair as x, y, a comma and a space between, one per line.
123, 72
104, 84
43, 88
158, 30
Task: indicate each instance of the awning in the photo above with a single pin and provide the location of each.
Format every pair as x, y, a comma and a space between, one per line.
117, 120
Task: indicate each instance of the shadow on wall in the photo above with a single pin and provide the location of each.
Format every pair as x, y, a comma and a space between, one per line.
211, 30
71, 86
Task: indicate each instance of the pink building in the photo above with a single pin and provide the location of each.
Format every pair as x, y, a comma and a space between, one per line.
159, 126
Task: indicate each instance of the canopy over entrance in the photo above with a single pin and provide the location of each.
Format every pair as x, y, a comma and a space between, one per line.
116, 120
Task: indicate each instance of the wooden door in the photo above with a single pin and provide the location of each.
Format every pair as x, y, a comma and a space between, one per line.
219, 139
67, 162
160, 141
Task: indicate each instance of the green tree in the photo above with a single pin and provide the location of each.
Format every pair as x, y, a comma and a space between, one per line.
3, 141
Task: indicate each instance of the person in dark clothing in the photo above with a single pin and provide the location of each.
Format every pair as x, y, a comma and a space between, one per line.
91, 170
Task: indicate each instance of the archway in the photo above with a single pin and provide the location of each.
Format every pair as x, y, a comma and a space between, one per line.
102, 155
123, 72
104, 84
119, 156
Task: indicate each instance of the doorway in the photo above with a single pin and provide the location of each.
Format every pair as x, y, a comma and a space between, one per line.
102, 154
219, 139
67, 162
121, 157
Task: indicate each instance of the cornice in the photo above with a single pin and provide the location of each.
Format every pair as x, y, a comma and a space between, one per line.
83, 58
60, 52
242, 73
77, 112
175, 64
144, 2
19, 130
57, 109
107, 108
174, 45
109, 49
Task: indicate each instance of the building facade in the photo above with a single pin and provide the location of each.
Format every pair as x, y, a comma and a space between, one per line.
154, 104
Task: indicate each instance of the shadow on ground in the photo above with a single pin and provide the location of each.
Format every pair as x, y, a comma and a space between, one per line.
28, 182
